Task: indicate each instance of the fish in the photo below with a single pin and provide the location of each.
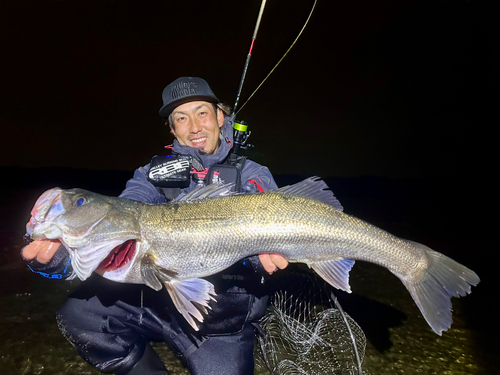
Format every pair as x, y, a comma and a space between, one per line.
205, 231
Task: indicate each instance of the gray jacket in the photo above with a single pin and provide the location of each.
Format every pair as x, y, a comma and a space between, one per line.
140, 189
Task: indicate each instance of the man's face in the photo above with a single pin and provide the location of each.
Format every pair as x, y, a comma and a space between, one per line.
195, 124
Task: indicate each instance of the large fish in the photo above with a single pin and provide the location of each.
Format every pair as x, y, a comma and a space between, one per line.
209, 229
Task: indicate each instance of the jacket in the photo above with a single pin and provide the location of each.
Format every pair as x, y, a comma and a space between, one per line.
253, 176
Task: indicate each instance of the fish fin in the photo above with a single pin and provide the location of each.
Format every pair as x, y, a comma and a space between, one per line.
148, 273
335, 273
314, 188
152, 274
204, 192
444, 278
189, 295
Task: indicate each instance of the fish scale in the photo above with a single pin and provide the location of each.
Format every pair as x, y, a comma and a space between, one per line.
179, 243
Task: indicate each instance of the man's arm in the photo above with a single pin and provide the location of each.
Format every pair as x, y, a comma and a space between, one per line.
138, 188
255, 178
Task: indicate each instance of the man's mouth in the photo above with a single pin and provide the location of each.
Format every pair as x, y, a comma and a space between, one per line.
198, 141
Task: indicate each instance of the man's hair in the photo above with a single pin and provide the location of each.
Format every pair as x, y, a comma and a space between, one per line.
225, 108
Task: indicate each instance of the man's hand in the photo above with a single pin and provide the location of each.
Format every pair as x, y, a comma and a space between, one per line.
43, 250
271, 262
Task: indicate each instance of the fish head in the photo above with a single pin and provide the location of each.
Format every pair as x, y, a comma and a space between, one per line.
88, 224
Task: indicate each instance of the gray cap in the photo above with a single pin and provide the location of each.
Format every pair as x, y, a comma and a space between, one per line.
184, 90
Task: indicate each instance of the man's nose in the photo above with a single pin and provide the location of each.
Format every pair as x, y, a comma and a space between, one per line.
195, 126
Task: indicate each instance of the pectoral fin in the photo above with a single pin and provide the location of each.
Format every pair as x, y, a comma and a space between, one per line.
153, 275
189, 295
186, 294
335, 273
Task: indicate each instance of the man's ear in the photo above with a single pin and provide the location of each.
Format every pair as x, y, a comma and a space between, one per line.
172, 130
220, 117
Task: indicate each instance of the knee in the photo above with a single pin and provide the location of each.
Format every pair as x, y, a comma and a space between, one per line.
224, 355
69, 318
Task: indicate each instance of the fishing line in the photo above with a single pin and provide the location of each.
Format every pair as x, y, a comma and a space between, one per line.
142, 304
274, 68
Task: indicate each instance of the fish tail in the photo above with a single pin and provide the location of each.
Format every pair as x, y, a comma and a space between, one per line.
444, 278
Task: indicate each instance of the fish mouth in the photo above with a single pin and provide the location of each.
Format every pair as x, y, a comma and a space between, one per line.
46, 209
119, 256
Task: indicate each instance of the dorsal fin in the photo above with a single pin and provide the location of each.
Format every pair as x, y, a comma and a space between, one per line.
314, 188
210, 191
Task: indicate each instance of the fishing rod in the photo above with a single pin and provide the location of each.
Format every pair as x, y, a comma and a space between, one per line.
241, 132
240, 128
247, 62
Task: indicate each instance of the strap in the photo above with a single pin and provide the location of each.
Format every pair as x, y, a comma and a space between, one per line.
169, 193
237, 161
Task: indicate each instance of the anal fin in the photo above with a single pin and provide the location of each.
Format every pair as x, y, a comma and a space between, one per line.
335, 273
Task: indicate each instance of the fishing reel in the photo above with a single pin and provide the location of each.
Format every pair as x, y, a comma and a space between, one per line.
240, 136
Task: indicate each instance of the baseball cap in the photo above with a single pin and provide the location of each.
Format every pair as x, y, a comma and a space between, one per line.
183, 90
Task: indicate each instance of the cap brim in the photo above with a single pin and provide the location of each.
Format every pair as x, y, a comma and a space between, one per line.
166, 110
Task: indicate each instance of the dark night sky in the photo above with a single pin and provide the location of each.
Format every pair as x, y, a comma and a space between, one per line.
391, 88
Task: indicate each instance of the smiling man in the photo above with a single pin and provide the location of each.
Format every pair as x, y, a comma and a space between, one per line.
197, 124
111, 324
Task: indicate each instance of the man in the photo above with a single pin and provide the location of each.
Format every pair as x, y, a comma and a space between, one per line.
111, 324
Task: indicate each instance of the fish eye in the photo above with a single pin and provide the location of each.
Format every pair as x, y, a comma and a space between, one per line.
81, 201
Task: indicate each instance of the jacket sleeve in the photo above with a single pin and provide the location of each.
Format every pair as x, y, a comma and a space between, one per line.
138, 188
255, 177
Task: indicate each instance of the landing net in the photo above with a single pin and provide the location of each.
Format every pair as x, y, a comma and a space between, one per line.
303, 333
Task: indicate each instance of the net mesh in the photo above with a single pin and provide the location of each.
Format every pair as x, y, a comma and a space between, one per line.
303, 333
